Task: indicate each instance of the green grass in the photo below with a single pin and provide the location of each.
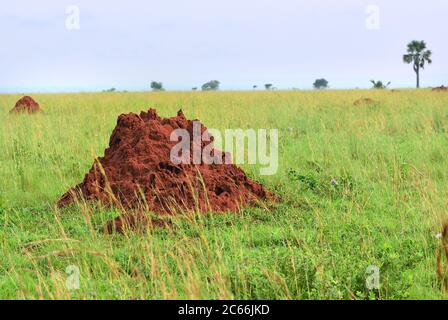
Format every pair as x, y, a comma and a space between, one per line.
390, 161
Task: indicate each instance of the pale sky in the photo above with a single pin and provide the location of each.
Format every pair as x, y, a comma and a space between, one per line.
184, 43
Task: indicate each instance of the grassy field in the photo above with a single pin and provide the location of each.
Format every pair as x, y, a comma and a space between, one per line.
390, 161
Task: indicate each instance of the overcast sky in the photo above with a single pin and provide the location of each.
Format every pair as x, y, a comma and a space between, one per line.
184, 43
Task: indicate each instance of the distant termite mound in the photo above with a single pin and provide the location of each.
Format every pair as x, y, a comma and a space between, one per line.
440, 89
364, 101
137, 171
26, 105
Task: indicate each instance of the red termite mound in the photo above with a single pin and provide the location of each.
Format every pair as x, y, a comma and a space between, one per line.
364, 101
26, 105
137, 172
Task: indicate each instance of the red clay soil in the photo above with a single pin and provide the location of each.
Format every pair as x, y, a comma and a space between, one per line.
136, 172
26, 105
441, 88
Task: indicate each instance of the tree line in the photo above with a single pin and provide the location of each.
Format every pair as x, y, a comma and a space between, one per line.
416, 54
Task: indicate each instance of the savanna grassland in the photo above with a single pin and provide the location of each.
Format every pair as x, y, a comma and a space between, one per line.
359, 186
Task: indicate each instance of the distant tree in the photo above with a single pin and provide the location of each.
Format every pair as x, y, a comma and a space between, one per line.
194, 88
211, 85
254, 86
157, 86
320, 84
110, 90
268, 86
379, 84
418, 55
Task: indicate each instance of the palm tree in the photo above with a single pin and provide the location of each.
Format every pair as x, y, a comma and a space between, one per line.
379, 84
418, 55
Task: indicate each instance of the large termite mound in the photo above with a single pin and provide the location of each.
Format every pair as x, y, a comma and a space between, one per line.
26, 105
138, 172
